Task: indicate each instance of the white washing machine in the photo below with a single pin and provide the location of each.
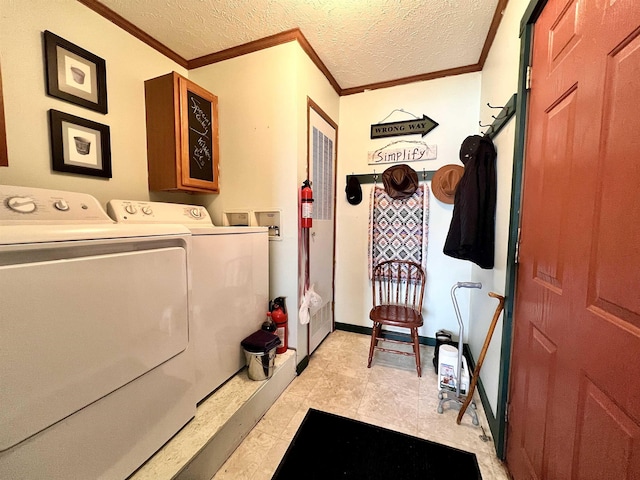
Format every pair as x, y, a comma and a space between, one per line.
230, 284
95, 370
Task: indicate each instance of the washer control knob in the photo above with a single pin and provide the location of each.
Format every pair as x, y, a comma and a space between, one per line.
61, 205
21, 204
146, 210
131, 209
195, 213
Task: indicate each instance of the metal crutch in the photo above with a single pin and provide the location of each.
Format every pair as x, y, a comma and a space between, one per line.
456, 397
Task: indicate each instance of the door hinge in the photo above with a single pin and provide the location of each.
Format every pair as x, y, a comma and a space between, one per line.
527, 82
517, 255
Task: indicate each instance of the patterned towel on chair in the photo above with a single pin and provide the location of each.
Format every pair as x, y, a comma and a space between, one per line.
398, 228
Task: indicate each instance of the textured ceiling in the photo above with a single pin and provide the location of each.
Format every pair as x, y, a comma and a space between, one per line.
361, 42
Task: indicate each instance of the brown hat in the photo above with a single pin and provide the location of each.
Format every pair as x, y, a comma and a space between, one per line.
400, 181
445, 181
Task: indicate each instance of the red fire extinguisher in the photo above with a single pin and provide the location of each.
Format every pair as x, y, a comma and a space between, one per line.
306, 214
281, 319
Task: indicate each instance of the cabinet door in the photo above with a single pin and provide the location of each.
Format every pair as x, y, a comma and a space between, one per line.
198, 168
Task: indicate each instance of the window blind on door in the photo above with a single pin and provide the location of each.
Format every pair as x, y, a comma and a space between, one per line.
322, 164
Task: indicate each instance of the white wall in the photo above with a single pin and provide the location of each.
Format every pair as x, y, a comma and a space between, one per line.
263, 113
128, 61
499, 83
258, 124
453, 102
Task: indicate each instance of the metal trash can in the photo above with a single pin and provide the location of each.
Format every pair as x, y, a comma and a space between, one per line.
260, 353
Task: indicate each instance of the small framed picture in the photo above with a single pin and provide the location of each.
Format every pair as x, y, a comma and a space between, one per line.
79, 145
74, 74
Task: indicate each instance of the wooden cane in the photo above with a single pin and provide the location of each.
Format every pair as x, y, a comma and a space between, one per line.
483, 352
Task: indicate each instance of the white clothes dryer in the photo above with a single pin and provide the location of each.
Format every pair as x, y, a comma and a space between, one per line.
230, 284
96, 373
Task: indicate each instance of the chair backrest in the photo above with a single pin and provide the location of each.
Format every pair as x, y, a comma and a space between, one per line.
398, 282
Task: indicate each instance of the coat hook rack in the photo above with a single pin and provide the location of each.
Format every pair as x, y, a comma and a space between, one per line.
501, 119
365, 178
506, 112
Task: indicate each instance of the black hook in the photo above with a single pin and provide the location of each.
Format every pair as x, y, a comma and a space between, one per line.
490, 106
480, 123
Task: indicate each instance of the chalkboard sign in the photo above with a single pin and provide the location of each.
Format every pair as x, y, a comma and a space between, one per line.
200, 138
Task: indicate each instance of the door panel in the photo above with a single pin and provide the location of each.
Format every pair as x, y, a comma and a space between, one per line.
552, 211
322, 168
575, 395
564, 34
610, 268
604, 431
538, 398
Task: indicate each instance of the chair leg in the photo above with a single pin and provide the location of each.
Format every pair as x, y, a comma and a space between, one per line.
375, 332
416, 350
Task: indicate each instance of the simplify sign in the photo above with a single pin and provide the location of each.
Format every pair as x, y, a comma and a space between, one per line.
409, 127
408, 154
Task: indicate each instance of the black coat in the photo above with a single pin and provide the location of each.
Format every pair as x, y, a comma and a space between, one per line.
472, 230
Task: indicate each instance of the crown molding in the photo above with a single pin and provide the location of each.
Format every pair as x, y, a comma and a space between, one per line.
412, 79
294, 34
493, 29
290, 36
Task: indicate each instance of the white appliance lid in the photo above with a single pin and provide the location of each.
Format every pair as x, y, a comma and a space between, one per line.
135, 211
38, 215
23, 234
195, 217
33, 206
226, 230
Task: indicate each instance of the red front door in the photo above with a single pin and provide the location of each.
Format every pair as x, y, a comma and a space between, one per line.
574, 407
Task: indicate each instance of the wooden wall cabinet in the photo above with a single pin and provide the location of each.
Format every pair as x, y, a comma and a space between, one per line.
182, 135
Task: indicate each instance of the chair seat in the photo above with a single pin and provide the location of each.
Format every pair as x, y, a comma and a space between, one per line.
396, 315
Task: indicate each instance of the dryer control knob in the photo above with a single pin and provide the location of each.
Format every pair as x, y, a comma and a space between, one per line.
131, 209
147, 210
21, 204
61, 205
195, 213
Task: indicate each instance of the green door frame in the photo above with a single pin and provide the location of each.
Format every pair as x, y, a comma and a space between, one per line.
529, 18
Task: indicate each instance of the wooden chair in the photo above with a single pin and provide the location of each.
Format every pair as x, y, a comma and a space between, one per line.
398, 290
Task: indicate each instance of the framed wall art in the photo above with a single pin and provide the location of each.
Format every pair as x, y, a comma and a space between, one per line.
79, 145
74, 74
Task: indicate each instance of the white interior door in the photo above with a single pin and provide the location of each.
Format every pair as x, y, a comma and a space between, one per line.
322, 168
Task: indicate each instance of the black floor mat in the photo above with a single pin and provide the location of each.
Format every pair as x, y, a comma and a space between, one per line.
329, 447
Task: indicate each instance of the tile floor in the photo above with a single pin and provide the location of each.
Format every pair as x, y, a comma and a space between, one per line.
389, 394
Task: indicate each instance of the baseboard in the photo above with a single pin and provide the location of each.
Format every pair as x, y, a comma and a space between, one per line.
491, 419
390, 335
302, 365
